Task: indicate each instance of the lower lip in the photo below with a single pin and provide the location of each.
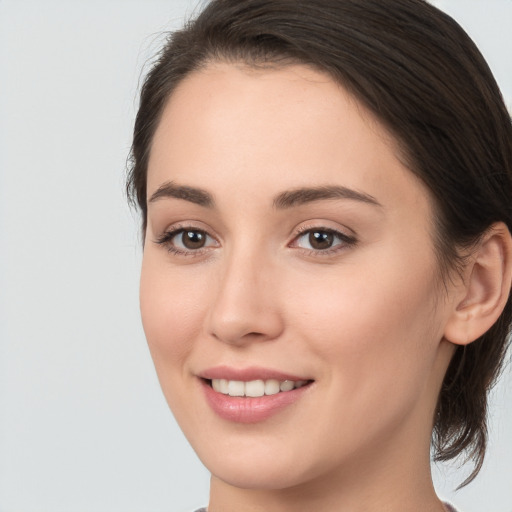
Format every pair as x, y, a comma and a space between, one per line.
250, 410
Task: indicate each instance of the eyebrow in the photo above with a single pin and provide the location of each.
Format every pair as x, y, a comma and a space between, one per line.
284, 200
191, 194
300, 196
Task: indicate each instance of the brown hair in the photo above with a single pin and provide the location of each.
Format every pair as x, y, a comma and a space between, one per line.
421, 75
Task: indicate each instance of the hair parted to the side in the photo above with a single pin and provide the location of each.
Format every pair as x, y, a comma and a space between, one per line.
420, 74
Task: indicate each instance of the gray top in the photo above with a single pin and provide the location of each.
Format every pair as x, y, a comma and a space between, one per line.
447, 506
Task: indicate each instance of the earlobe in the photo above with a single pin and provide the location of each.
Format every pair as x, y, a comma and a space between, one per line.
486, 287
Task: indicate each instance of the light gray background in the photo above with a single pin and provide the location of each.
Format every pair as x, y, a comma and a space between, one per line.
83, 424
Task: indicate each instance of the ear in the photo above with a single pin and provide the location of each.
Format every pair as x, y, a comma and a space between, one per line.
484, 292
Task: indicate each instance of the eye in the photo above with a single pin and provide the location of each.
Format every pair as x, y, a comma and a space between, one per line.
190, 239
186, 240
322, 239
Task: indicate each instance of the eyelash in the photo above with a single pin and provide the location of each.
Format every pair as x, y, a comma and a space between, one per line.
345, 241
167, 237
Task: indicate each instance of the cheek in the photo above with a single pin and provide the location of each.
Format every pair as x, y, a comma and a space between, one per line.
373, 340
373, 323
171, 312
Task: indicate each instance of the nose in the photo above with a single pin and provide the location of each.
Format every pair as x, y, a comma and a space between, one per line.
245, 305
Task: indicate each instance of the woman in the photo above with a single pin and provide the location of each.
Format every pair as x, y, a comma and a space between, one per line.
325, 194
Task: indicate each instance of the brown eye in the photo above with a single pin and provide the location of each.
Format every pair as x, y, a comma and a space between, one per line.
187, 241
190, 239
320, 239
323, 240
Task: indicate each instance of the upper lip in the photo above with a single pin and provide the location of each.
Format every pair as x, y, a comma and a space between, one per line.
248, 374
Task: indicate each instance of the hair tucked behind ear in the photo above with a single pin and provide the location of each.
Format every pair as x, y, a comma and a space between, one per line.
425, 80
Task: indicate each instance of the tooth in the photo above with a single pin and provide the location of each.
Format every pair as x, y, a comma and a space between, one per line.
236, 388
287, 385
255, 388
271, 387
223, 386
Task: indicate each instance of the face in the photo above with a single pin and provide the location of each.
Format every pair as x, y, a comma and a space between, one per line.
288, 291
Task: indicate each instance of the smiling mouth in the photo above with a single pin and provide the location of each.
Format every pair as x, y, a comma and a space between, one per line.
254, 388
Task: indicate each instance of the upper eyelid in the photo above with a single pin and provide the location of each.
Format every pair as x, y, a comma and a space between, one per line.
336, 232
305, 228
190, 225
176, 230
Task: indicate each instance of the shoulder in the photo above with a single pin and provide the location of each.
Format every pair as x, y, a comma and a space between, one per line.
447, 506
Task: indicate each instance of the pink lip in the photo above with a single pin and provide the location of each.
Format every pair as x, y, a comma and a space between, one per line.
246, 409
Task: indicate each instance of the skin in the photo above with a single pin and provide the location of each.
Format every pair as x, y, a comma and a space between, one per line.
365, 320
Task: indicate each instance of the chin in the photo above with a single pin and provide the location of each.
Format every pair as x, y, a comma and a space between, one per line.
268, 476
261, 465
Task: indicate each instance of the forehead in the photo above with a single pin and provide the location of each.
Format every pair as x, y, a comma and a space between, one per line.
273, 129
